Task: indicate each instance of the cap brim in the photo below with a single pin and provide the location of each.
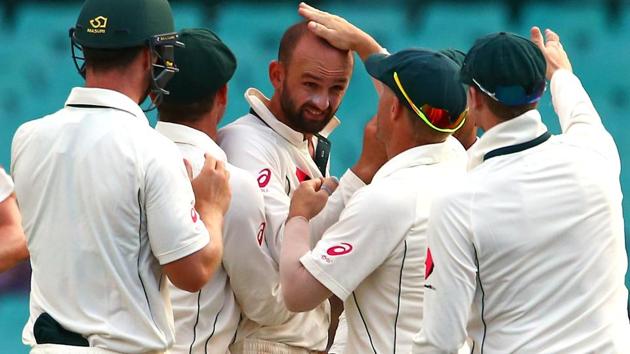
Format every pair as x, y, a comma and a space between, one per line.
376, 65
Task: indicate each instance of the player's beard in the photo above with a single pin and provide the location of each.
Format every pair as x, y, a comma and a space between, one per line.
295, 115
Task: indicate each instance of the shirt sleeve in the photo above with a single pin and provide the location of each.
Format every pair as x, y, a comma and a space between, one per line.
348, 185
359, 242
579, 120
174, 227
253, 273
6, 185
450, 278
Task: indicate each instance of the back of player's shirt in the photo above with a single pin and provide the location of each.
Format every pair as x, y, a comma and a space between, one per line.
105, 202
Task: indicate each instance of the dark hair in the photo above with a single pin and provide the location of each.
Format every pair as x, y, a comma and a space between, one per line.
175, 112
504, 112
290, 39
110, 59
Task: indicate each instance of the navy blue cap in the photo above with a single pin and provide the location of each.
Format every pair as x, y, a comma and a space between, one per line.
427, 77
508, 67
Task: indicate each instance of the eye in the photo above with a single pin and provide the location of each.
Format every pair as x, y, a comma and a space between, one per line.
337, 88
310, 84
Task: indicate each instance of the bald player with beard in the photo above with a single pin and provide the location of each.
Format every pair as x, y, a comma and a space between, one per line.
283, 141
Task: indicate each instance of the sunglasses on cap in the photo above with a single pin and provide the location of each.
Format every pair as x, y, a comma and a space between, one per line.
437, 118
514, 95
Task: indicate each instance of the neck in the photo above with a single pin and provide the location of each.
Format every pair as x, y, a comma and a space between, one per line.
403, 143
120, 82
206, 124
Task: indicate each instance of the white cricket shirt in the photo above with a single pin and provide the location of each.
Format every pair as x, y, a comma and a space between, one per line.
206, 321
105, 201
373, 258
533, 240
6, 185
280, 159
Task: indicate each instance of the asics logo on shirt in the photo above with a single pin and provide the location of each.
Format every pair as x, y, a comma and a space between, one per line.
340, 250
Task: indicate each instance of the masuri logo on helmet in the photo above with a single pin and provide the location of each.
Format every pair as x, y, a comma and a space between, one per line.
99, 25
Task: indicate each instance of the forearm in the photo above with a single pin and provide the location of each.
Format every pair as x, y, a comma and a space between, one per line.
13, 247
365, 46
300, 290
213, 252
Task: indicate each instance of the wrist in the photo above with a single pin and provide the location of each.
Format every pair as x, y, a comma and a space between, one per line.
367, 46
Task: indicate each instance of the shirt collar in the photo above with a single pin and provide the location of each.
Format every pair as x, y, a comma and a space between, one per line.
105, 98
257, 101
518, 130
421, 155
181, 134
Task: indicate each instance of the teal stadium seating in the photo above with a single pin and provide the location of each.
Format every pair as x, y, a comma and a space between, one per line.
38, 73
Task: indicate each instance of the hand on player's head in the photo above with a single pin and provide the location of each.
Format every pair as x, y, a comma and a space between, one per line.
311, 197
212, 191
552, 49
334, 29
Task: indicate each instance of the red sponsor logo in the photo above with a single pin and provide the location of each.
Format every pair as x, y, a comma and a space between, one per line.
264, 176
340, 250
261, 234
301, 175
193, 215
428, 265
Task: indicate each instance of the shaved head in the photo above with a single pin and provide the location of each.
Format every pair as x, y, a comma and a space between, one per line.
294, 34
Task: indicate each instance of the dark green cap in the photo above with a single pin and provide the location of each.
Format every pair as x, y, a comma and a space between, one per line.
426, 76
455, 55
111, 24
507, 65
205, 65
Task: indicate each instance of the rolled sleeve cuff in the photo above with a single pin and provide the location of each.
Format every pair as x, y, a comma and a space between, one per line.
326, 279
186, 250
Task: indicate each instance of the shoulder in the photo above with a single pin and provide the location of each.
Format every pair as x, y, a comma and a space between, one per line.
379, 201
246, 194
247, 130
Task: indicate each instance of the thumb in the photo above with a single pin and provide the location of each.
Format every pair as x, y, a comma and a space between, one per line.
188, 169
537, 37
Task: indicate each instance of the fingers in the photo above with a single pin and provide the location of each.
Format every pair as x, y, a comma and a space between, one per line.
188, 169
311, 12
537, 37
312, 184
552, 36
220, 168
329, 185
320, 30
210, 162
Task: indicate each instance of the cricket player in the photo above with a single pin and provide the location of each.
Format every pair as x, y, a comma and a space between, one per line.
247, 283
373, 257
283, 142
12, 239
106, 202
527, 254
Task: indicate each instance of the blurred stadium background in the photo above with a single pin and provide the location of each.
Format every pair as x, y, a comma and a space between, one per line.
38, 73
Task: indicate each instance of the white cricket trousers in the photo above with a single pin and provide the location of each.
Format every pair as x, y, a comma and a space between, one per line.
258, 346
68, 349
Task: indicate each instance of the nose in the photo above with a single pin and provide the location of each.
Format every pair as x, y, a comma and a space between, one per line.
321, 102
